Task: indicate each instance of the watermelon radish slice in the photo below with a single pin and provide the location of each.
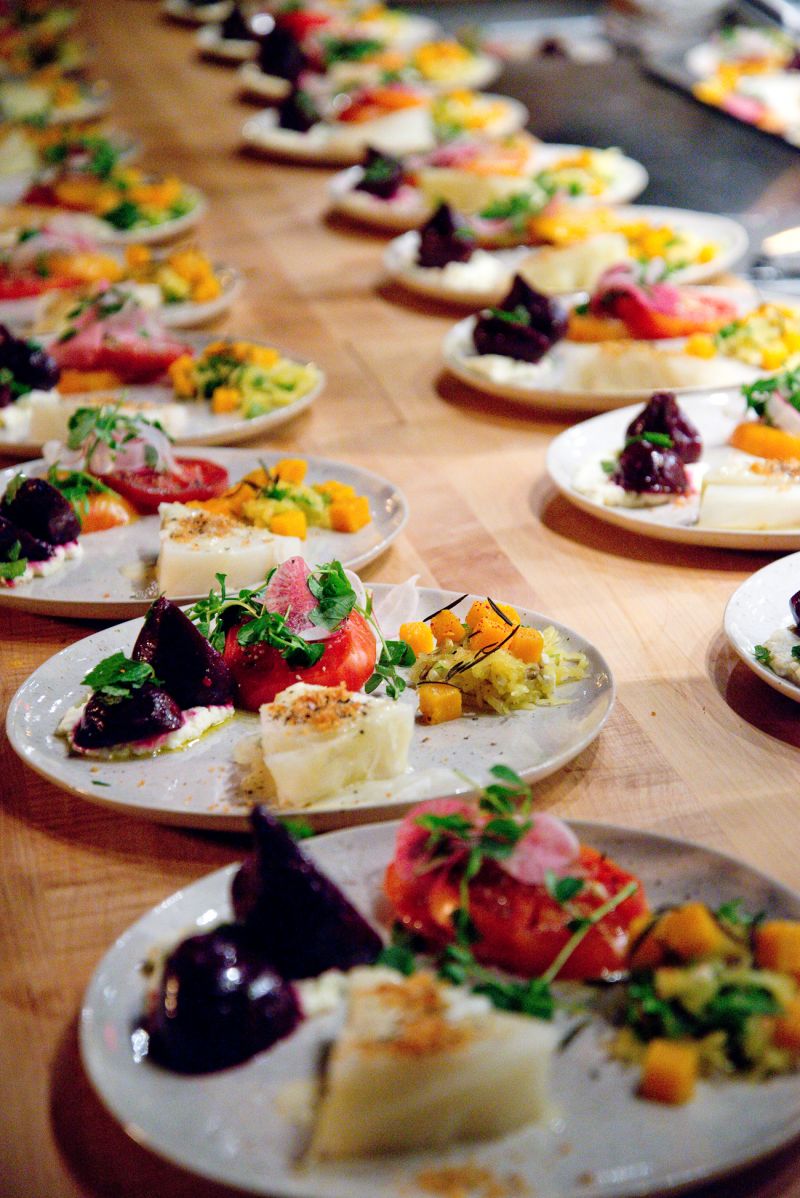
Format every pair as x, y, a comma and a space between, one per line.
288, 594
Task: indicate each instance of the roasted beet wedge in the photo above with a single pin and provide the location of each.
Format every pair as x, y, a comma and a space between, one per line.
445, 238
41, 510
190, 669
148, 712
646, 469
525, 326
280, 54
546, 314
235, 26
218, 1004
31, 366
301, 921
298, 112
383, 175
30, 547
662, 415
794, 604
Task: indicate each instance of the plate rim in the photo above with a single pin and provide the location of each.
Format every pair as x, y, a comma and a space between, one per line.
784, 686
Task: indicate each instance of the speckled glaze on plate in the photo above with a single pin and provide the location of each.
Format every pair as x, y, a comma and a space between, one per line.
759, 607
101, 584
603, 1142
200, 786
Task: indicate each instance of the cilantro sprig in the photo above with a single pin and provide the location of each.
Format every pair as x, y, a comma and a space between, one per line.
786, 385
118, 677
89, 428
77, 486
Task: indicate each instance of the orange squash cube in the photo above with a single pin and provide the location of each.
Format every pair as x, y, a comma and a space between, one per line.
335, 490
349, 515
670, 1071
225, 399
527, 644
482, 610
289, 524
778, 946
691, 932
446, 626
787, 1027
488, 634
418, 635
439, 702
291, 470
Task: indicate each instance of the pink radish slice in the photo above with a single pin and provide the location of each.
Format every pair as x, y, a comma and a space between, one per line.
289, 595
548, 846
410, 852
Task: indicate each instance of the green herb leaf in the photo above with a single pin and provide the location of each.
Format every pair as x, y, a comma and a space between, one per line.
117, 676
298, 829
562, 889
14, 566
762, 655
334, 593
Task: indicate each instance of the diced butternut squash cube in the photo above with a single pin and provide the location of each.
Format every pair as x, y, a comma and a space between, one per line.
349, 515
335, 490
482, 610
137, 256
439, 702
225, 399
258, 477
446, 626
778, 946
670, 1071
787, 1027
181, 372
291, 470
289, 524
205, 290
647, 951
73, 382
527, 645
418, 635
691, 932
700, 345
487, 634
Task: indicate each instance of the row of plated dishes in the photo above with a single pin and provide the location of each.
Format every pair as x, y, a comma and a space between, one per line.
476, 998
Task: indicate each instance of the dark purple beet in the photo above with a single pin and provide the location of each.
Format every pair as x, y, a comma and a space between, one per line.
383, 175
794, 62
235, 26
445, 238
31, 366
280, 54
191, 670
218, 1004
301, 921
546, 314
552, 47
794, 603
510, 339
298, 112
662, 415
29, 547
40, 509
7, 396
646, 469
148, 712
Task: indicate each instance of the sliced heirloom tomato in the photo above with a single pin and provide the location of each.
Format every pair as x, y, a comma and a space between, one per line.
192, 479
693, 314
21, 286
261, 672
520, 927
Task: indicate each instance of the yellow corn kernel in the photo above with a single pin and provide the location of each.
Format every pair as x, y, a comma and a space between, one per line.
700, 345
778, 946
670, 1071
289, 524
137, 256
691, 932
291, 470
446, 626
418, 636
527, 645
482, 610
336, 490
349, 515
438, 702
181, 372
225, 399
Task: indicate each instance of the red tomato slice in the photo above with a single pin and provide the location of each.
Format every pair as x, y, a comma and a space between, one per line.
521, 928
132, 361
193, 479
300, 23
24, 286
695, 314
261, 673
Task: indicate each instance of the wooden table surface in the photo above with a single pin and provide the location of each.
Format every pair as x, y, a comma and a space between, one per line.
696, 747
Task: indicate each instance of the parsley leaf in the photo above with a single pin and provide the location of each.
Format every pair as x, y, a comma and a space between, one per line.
763, 655
117, 676
334, 593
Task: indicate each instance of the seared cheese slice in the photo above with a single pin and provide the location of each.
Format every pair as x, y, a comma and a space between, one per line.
420, 1065
318, 740
196, 545
49, 412
751, 493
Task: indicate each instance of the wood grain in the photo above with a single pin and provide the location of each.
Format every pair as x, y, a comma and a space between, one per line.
696, 747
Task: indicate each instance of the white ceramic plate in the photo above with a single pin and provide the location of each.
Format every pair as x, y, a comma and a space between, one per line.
603, 1143
102, 231
409, 209
196, 14
230, 50
103, 583
715, 415
22, 313
199, 786
88, 108
318, 147
556, 385
759, 607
